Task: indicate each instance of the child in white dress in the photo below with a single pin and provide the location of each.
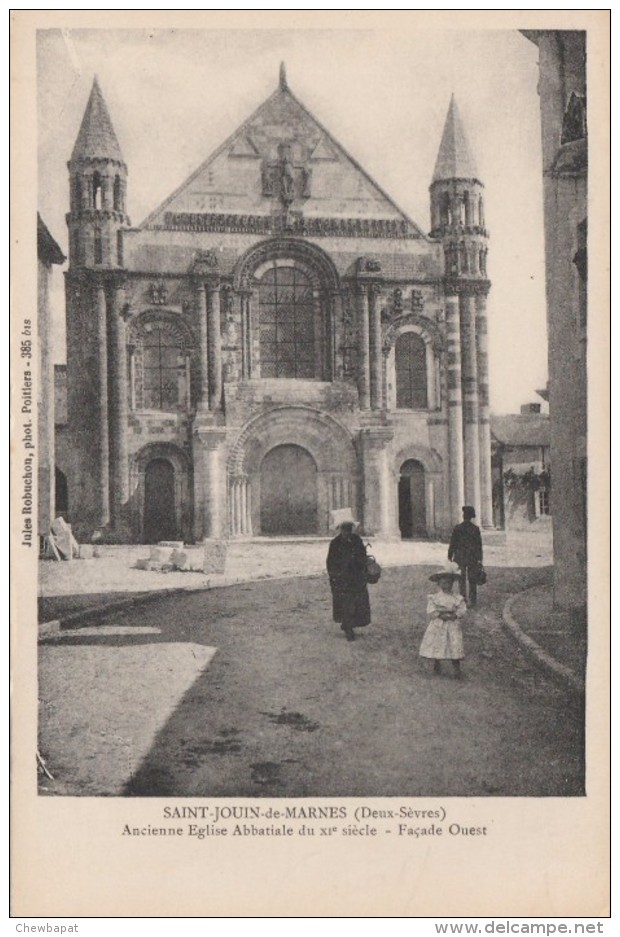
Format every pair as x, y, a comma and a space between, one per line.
443, 638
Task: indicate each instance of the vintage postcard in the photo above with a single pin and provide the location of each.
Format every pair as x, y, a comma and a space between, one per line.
309, 435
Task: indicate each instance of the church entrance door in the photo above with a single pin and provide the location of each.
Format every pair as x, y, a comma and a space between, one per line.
160, 522
412, 500
288, 492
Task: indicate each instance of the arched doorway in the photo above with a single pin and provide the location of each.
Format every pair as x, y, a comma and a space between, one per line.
412, 500
288, 492
160, 521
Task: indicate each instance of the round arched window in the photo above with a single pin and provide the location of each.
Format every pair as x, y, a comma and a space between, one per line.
289, 343
163, 364
411, 376
160, 365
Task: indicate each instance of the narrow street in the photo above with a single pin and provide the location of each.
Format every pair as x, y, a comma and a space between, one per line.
252, 691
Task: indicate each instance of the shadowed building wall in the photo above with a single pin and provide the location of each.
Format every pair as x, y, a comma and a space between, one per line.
562, 89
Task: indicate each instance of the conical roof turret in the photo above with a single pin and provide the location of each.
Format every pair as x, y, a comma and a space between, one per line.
96, 138
455, 159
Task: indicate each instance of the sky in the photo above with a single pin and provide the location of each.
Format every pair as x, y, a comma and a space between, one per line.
175, 95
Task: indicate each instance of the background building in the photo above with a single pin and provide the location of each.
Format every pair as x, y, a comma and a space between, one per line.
562, 90
48, 254
520, 446
277, 340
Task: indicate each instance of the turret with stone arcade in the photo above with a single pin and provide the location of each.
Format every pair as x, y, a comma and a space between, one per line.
96, 306
458, 220
98, 190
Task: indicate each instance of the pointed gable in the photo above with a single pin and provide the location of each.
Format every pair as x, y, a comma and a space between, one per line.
281, 145
455, 159
96, 137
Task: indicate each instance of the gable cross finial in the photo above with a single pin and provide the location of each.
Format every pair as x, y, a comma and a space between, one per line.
283, 81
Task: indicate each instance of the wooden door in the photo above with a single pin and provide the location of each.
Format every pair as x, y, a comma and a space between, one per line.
288, 492
160, 521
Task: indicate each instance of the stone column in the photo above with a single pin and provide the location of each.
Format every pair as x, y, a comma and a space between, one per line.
455, 406
253, 342
431, 383
337, 326
377, 478
240, 507
470, 401
188, 382
376, 353
85, 192
430, 503
215, 345
484, 423
201, 311
132, 378
213, 499
209, 483
104, 433
363, 338
107, 200
120, 448
321, 353
246, 358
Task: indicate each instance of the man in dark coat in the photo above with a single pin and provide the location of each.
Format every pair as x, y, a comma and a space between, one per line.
346, 567
466, 551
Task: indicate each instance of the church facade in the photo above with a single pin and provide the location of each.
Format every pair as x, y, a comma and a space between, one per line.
276, 341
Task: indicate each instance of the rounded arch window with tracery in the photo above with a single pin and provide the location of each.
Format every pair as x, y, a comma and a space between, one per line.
160, 366
410, 362
290, 343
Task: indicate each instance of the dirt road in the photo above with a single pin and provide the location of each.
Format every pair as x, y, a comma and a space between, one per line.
252, 691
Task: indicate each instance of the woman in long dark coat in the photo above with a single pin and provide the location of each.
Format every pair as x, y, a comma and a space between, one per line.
346, 566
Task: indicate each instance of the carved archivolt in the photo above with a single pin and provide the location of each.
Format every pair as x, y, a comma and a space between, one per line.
169, 322
429, 458
308, 255
173, 454
427, 328
328, 442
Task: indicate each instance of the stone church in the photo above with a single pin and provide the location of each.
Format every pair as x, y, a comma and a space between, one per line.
276, 341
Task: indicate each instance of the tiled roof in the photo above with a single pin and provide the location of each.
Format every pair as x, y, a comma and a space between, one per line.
47, 248
455, 159
521, 429
96, 137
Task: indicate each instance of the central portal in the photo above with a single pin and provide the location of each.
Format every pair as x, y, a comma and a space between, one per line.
288, 492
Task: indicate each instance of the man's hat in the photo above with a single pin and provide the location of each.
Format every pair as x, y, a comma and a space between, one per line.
469, 511
450, 571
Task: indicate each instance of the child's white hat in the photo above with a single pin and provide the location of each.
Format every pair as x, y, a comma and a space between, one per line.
450, 571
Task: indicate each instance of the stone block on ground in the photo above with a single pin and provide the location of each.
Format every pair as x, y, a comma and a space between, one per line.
214, 556
179, 559
160, 555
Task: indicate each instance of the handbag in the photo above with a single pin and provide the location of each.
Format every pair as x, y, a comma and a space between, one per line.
481, 576
373, 570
